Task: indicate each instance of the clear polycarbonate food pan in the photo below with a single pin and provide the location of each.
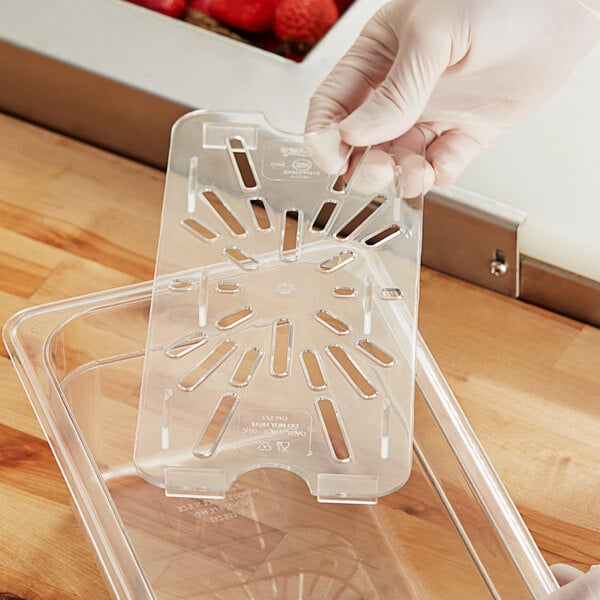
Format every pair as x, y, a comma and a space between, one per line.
283, 319
451, 532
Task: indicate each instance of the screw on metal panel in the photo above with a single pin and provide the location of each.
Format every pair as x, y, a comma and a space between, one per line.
498, 265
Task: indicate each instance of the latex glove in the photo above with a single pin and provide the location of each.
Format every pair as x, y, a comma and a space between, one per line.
574, 584
463, 72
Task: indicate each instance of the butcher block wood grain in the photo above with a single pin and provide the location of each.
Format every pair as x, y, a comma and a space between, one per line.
74, 220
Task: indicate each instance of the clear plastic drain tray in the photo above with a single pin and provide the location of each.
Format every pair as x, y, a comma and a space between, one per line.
283, 319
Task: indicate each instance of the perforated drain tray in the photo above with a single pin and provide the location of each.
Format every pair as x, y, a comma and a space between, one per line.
283, 319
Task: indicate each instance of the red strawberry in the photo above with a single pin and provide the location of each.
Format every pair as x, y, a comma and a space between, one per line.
171, 8
254, 16
199, 6
305, 21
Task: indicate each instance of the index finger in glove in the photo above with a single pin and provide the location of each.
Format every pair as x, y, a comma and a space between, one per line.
348, 85
354, 77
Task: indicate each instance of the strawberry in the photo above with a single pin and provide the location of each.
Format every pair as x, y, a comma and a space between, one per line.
171, 8
199, 6
254, 16
305, 21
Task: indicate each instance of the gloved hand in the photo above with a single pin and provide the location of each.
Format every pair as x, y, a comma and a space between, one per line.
574, 584
462, 72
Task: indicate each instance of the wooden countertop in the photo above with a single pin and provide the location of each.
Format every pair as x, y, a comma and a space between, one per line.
75, 219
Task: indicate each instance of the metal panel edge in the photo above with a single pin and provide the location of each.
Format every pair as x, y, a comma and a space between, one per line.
86, 106
560, 291
472, 238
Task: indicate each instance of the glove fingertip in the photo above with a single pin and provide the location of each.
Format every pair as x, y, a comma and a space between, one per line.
328, 149
446, 171
372, 124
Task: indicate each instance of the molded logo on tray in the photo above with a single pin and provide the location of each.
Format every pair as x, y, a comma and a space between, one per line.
290, 162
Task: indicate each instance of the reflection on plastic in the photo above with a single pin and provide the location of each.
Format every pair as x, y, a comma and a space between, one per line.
209, 364
216, 426
332, 425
